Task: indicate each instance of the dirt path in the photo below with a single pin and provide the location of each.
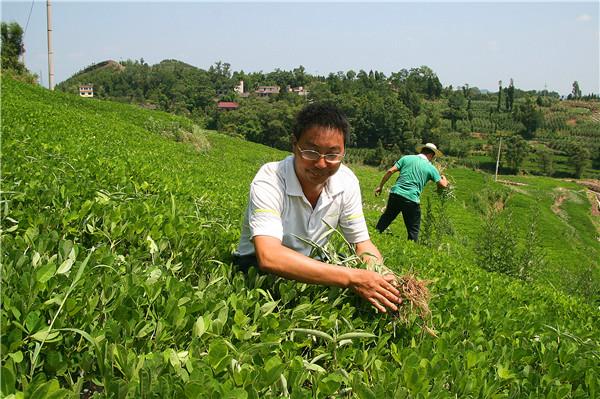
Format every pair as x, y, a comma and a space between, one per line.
560, 198
593, 192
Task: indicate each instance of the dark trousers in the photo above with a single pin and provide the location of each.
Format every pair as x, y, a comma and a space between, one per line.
245, 262
411, 213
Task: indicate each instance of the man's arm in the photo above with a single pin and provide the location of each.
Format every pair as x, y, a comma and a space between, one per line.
385, 178
275, 258
368, 252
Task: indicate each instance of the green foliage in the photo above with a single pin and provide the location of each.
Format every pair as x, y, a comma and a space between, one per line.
580, 157
546, 161
516, 150
437, 225
12, 46
530, 116
500, 252
116, 243
12, 49
456, 105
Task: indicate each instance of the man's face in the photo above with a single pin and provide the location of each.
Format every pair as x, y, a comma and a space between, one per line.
324, 140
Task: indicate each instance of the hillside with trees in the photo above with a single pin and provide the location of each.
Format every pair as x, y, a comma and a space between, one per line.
537, 131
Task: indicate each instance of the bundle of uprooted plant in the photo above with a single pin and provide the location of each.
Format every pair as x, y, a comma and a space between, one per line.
445, 194
414, 292
415, 297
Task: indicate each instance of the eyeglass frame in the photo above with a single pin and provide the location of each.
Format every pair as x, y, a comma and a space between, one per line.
339, 157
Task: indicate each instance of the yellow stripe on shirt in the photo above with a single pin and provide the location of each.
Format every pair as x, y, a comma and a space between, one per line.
274, 212
355, 216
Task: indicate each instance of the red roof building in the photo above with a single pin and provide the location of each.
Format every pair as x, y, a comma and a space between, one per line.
227, 105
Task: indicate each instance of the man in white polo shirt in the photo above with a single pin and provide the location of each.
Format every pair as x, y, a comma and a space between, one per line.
295, 197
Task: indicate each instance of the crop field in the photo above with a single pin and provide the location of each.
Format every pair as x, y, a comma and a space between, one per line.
117, 227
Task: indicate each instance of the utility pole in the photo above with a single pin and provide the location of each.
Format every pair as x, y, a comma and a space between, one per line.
50, 52
498, 159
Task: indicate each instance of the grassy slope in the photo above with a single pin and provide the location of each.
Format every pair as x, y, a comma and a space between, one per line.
61, 152
568, 239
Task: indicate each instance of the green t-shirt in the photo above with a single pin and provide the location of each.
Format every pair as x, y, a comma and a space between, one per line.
415, 172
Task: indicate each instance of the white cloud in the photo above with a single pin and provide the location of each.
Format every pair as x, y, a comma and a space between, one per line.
584, 18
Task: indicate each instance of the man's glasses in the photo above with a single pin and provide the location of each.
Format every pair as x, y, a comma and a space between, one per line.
311, 155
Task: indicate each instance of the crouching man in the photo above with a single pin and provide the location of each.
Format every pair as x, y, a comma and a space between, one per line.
292, 198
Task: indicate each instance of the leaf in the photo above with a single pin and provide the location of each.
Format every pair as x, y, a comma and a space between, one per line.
35, 259
504, 372
199, 327
330, 384
316, 333
152, 247
363, 391
471, 359
357, 334
268, 307
145, 330
17, 356
45, 273
217, 355
8, 381
313, 367
272, 370
45, 335
32, 319
65, 267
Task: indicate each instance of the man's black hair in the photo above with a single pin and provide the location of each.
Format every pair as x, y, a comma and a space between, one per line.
426, 151
323, 115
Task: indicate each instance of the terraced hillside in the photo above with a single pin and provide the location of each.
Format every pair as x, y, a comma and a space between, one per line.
117, 229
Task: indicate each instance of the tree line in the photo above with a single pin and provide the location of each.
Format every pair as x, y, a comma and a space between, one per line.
389, 114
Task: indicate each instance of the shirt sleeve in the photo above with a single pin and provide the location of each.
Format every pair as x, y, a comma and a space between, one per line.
399, 163
435, 175
265, 208
352, 220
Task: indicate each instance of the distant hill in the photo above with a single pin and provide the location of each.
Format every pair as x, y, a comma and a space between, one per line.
91, 74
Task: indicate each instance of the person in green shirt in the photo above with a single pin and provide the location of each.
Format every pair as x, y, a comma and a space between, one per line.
405, 195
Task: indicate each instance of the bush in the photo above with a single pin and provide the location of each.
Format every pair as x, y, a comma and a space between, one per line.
498, 250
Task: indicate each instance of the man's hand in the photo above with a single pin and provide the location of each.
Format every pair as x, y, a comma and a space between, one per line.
443, 183
378, 191
376, 289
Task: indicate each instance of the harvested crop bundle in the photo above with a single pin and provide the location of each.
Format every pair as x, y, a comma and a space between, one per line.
414, 292
415, 298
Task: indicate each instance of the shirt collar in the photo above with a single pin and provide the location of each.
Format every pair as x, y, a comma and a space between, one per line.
423, 156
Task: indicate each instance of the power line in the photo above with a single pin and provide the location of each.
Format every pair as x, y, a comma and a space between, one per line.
28, 17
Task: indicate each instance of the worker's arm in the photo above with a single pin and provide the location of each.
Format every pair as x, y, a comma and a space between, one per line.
385, 178
275, 258
368, 252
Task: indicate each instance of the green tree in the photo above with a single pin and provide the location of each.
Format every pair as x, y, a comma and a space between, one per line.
510, 95
411, 99
579, 157
12, 49
12, 46
529, 115
516, 149
456, 108
429, 120
576, 92
546, 161
499, 96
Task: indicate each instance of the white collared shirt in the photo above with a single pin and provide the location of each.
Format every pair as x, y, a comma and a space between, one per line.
278, 208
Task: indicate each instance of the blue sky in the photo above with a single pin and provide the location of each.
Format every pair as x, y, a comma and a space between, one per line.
538, 44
